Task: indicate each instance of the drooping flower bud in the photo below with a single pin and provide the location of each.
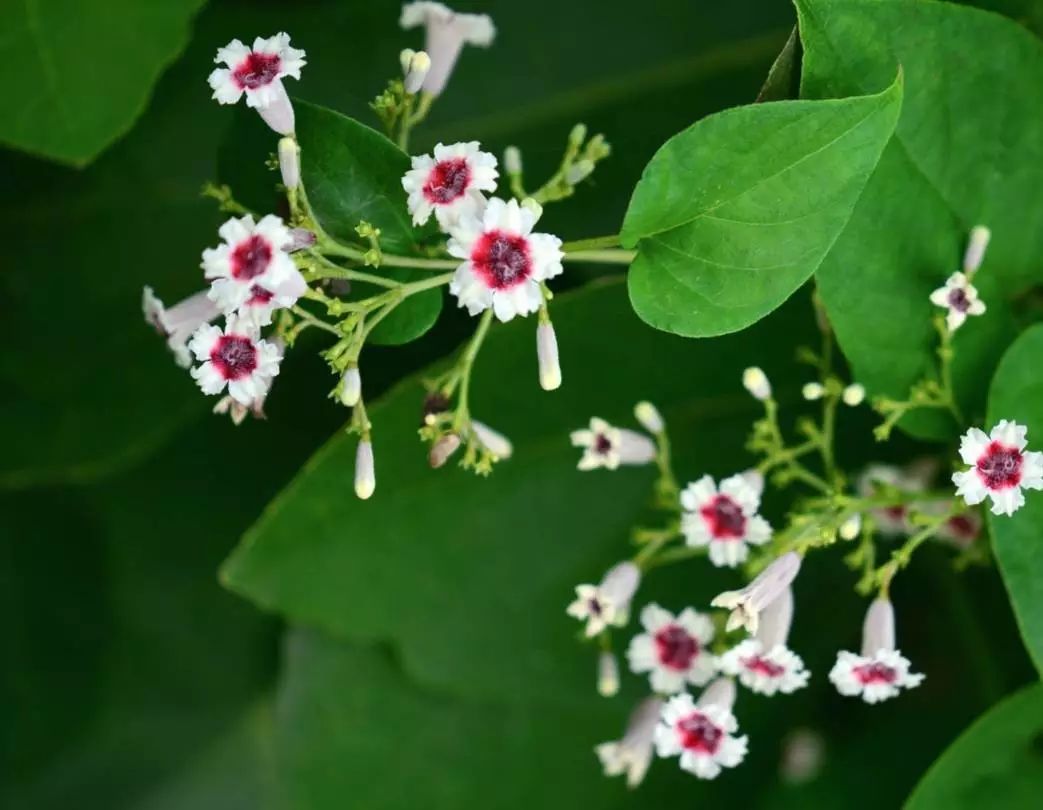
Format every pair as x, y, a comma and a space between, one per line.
443, 449
350, 387
547, 355
495, 442
756, 382
850, 528
365, 473
290, 162
979, 241
512, 160
648, 415
416, 71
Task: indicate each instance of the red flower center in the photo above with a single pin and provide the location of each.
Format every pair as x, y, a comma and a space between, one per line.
259, 296
257, 70
698, 733
602, 444
763, 666
875, 673
502, 259
725, 518
963, 526
447, 181
250, 258
675, 647
958, 299
1000, 466
234, 356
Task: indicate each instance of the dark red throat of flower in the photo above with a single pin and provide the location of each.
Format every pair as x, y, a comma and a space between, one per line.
259, 296
725, 518
964, 526
234, 356
447, 181
1000, 466
256, 70
675, 647
698, 733
762, 666
502, 259
875, 673
251, 258
958, 299
602, 444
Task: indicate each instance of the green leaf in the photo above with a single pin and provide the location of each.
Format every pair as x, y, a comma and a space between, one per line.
736, 212
352, 173
994, 763
77, 75
1017, 394
963, 154
783, 80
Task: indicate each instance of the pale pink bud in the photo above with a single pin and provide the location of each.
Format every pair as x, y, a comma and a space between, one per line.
775, 620
547, 355
365, 475
979, 241
648, 415
878, 629
608, 674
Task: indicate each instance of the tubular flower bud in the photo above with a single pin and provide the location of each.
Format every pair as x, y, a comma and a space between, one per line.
756, 382
350, 387
290, 162
547, 355
976, 246
365, 474
512, 160
850, 528
854, 395
648, 415
812, 391
493, 441
446, 34
608, 674
443, 449
416, 71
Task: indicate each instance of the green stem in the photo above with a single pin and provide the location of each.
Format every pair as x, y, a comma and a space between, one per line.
593, 243
463, 413
608, 256
311, 320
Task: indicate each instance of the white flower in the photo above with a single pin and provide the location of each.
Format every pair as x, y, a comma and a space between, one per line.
447, 33
770, 584
236, 358
702, 733
1001, 467
251, 270
547, 357
258, 72
608, 603
877, 479
854, 395
959, 297
608, 447
880, 672
449, 183
673, 649
180, 322
726, 520
504, 262
756, 382
633, 754
237, 411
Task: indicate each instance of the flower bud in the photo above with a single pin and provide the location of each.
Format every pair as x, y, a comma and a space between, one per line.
302, 238
578, 134
443, 449
416, 72
529, 204
547, 355
512, 160
350, 387
608, 674
812, 391
365, 475
496, 443
720, 692
648, 415
619, 585
405, 57
979, 241
579, 171
850, 528
756, 382
775, 620
289, 162
854, 395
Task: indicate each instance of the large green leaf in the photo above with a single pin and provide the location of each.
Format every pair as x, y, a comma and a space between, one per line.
736, 212
75, 76
1017, 393
994, 763
964, 153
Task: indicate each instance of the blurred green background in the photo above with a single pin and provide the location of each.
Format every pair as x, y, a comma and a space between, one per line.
451, 677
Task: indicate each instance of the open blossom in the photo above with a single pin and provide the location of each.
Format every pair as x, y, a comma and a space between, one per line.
960, 298
673, 649
235, 358
764, 664
257, 73
881, 671
747, 603
702, 733
251, 271
446, 34
1000, 467
180, 322
633, 754
608, 603
449, 183
725, 519
504, 262
607, 446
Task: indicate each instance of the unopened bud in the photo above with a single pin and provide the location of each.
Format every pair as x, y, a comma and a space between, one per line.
512, 160
812, 391
301, 238
579, 171
529, 204
850, 528
493, 441
443, 449
547, 355
416, 72
649, 417
854, 394
365, 474
578, 135
720, 692
979, 241
756, 382
290, 162
608, 674
405, 56
350, 387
